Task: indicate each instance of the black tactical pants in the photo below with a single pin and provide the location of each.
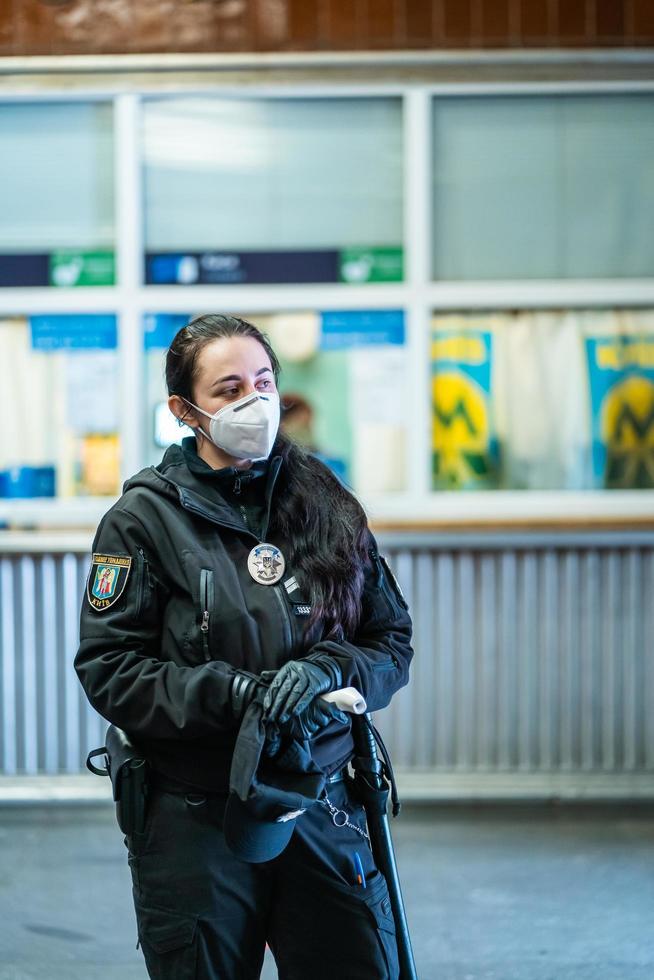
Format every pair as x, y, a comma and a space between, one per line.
203, 914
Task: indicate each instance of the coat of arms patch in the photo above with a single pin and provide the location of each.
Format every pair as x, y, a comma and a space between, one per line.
107, 580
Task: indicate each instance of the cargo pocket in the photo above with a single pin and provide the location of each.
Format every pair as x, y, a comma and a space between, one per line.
168, 943
376, 899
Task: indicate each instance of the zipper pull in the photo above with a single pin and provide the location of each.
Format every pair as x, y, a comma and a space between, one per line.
374, 555
204, 625
237, 485
145, 560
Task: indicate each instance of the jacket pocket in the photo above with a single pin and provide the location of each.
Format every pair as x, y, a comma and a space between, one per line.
168, 942
392, 585
387, 599
206, 609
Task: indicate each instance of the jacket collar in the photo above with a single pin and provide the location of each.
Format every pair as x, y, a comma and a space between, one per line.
193, 488
225, 475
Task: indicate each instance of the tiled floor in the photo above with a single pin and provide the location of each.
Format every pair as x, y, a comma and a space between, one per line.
505, 893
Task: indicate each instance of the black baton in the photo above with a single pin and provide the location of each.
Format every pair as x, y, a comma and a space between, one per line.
372, 787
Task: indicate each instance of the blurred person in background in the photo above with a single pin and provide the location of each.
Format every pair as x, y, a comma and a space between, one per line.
297, 420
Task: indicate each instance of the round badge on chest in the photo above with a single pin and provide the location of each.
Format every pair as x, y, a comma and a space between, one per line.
266, 564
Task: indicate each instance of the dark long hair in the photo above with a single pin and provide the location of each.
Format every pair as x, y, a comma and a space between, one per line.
322, 524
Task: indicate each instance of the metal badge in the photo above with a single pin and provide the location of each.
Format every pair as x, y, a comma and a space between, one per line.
266, 564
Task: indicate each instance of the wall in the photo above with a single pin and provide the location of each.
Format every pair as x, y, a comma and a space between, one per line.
58, 27
532, 676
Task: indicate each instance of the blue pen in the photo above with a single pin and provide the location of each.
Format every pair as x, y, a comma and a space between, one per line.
361, 878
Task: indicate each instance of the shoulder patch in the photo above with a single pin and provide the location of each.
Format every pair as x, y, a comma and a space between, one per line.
107, 580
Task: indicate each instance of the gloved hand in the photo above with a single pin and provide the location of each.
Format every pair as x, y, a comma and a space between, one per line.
316, 716
242, 691
296, 684
303, 726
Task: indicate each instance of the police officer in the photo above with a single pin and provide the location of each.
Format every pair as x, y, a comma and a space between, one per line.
240, 565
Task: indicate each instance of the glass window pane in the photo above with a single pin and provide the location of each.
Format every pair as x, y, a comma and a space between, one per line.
56, 194
543, 400
59, 378
343, 383
543, 187
320, 177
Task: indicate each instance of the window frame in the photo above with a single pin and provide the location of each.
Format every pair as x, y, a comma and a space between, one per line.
418, 295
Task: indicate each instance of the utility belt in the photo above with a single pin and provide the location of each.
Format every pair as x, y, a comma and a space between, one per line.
338, 776
165, 784
132, 779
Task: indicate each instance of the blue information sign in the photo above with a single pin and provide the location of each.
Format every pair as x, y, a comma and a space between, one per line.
74, 331
160, 328
224, 268
361, 328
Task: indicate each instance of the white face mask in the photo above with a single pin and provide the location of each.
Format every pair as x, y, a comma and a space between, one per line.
246, 428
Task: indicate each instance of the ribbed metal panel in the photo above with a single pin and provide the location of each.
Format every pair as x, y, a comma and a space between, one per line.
46, 723
531, 658
533, 654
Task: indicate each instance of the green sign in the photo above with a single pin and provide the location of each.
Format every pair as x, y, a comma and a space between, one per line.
371, 265
82, 269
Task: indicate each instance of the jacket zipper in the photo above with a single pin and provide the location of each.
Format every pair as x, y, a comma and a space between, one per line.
288, 628
374, 554
241, 508
191, 506
206, 602
194, 508
144, 569
383, 584
275, 588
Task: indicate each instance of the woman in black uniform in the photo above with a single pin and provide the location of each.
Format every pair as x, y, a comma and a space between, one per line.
240, 568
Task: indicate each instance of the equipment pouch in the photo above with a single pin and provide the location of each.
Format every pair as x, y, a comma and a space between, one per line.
128, 770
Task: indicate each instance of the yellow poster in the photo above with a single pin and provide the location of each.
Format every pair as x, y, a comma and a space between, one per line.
465, 450
100, 465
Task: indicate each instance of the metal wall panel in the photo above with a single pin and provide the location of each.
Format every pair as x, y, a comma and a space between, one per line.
531, 657
46, 723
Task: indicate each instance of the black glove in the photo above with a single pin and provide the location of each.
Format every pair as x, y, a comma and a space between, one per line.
303, 726
296, 684
242, 691
317, 716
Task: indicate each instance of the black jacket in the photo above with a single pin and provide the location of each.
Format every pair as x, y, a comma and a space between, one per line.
158, 655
